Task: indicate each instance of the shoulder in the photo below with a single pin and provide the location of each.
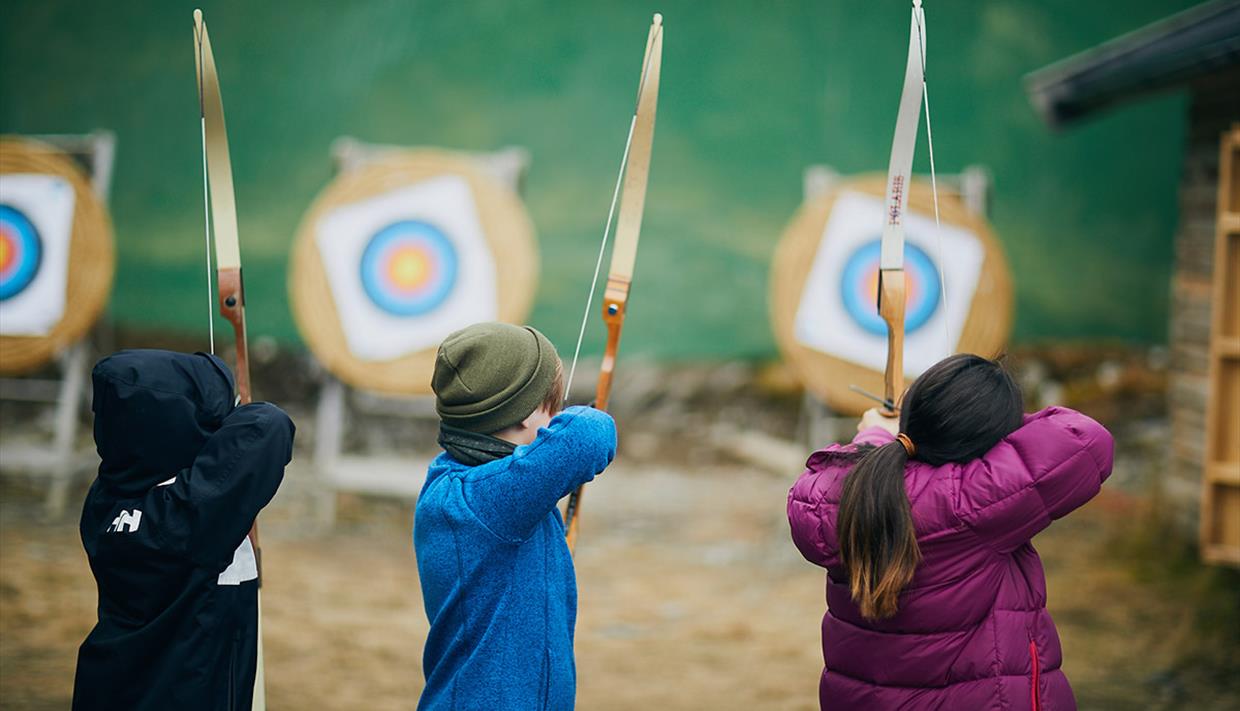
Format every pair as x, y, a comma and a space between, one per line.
436, 489
258, 422
1050, 445
1061, 423
582, 419
443, 468
263, 414
259, 430
1048, 438
574, 431
826, 468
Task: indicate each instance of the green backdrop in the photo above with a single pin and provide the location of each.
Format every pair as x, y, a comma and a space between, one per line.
751, 93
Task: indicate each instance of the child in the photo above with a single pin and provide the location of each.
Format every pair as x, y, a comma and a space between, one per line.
935, 597
497, 577
183, 475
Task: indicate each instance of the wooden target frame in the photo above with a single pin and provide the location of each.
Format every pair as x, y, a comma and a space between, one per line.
506, 227
828, 377
92, 256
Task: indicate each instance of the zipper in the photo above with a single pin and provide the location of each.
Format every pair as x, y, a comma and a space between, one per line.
232, 675
1033, 657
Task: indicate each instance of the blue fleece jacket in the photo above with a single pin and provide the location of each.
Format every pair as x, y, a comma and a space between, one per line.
497, 577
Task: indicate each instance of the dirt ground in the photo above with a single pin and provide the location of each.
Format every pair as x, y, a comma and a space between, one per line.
691, 598
691, 594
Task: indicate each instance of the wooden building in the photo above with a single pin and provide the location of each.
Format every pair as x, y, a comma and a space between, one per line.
1196, 51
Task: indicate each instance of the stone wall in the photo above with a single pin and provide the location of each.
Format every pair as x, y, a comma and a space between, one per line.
1214, 107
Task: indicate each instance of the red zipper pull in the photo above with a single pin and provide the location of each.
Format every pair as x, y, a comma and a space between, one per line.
1033, 657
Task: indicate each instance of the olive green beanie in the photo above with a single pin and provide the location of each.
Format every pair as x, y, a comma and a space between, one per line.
491, 376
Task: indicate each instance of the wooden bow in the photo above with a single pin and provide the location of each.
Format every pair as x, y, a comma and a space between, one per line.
634, 172
891, 288
222, 211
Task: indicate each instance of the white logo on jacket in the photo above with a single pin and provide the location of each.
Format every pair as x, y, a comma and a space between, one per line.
126, 522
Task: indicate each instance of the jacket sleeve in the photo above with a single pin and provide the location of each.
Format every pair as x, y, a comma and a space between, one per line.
1054, 463
210, 507
805, 517
810, 514
512, 500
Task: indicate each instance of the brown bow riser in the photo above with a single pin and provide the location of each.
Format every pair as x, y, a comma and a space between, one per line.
615, 299
232, 308
891, 304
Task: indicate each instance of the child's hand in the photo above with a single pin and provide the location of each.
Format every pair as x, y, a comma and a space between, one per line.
874, 417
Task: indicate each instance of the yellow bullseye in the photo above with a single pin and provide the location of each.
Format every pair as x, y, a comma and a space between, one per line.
409, 269
6, 250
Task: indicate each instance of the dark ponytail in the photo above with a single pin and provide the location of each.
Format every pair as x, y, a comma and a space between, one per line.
877, 541
955, 412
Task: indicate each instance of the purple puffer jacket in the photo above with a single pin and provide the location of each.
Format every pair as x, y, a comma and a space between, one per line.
972, 631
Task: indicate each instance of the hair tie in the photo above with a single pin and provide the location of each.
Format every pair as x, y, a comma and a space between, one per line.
908, 444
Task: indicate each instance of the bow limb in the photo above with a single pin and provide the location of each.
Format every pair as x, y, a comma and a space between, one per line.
891, 289
223, 203
223, 213
628, 231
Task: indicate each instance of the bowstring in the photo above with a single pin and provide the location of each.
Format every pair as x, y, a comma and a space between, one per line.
919, 15
598, 265
611, 212
206, 205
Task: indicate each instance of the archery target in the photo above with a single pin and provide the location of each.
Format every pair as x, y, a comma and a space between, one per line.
401, 250
407, 267
824, 287
36, 223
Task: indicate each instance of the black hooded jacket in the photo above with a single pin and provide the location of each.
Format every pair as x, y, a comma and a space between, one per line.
184, 473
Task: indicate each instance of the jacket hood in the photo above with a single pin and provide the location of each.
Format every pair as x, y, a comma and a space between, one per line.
154, 411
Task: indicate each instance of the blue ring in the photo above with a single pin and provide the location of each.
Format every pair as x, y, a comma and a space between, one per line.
443, 255
861, 307
31, 252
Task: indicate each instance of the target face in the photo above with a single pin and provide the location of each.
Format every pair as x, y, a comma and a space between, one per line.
859, 288
36, 226
21, 251
409, 268
838, 312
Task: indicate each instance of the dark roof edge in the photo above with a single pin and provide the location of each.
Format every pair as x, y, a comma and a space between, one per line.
1161, 55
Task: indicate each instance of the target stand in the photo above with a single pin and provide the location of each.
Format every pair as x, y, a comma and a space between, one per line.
824, 284
383, 262
41, 233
